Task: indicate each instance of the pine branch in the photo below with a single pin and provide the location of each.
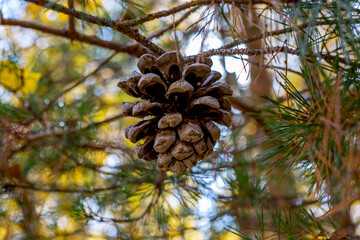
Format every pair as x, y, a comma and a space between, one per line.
114, 220
283, 31
131, 33
124, 26
179, 8
129, 23
242, 51
256, 52
157, 191
82, 80
11, 186
170, 26
130, 48
102, 146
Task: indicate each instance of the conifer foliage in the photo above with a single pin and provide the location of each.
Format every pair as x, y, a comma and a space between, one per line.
202, 119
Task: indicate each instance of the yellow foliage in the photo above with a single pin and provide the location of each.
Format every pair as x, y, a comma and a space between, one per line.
37, 11
33, 10
296, 80
194, 234
129, 144
111, 98
11, 204
90, 4
101, 114
2, 232
313, 236
79, 176
63, 17
190, 222
79, 62
46, 175
97, 157
142, 197
23, 81
230, 236
63, 180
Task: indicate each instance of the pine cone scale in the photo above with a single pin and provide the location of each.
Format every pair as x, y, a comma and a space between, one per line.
164, 139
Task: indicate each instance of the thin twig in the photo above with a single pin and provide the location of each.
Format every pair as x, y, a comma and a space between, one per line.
82, 80
170, 26
114, 220
41, 135
274, 67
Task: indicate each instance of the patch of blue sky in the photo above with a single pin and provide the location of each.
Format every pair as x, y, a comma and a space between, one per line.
12, 8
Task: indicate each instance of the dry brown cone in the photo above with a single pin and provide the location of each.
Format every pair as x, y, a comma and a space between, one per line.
184, 102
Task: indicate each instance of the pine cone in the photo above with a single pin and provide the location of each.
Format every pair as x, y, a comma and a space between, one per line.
184, 103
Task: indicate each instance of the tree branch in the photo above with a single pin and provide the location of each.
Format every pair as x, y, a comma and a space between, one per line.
124, 26
283, 31
9, 187
131, 48
71, 20
131, 33
129, 23
187, 5
241, 51
267, 50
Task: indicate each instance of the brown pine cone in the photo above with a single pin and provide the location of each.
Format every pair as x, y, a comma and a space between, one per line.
184, 103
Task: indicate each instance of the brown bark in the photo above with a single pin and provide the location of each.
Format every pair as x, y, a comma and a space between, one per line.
261, 79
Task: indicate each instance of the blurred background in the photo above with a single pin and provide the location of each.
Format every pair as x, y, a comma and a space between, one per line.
287, 168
